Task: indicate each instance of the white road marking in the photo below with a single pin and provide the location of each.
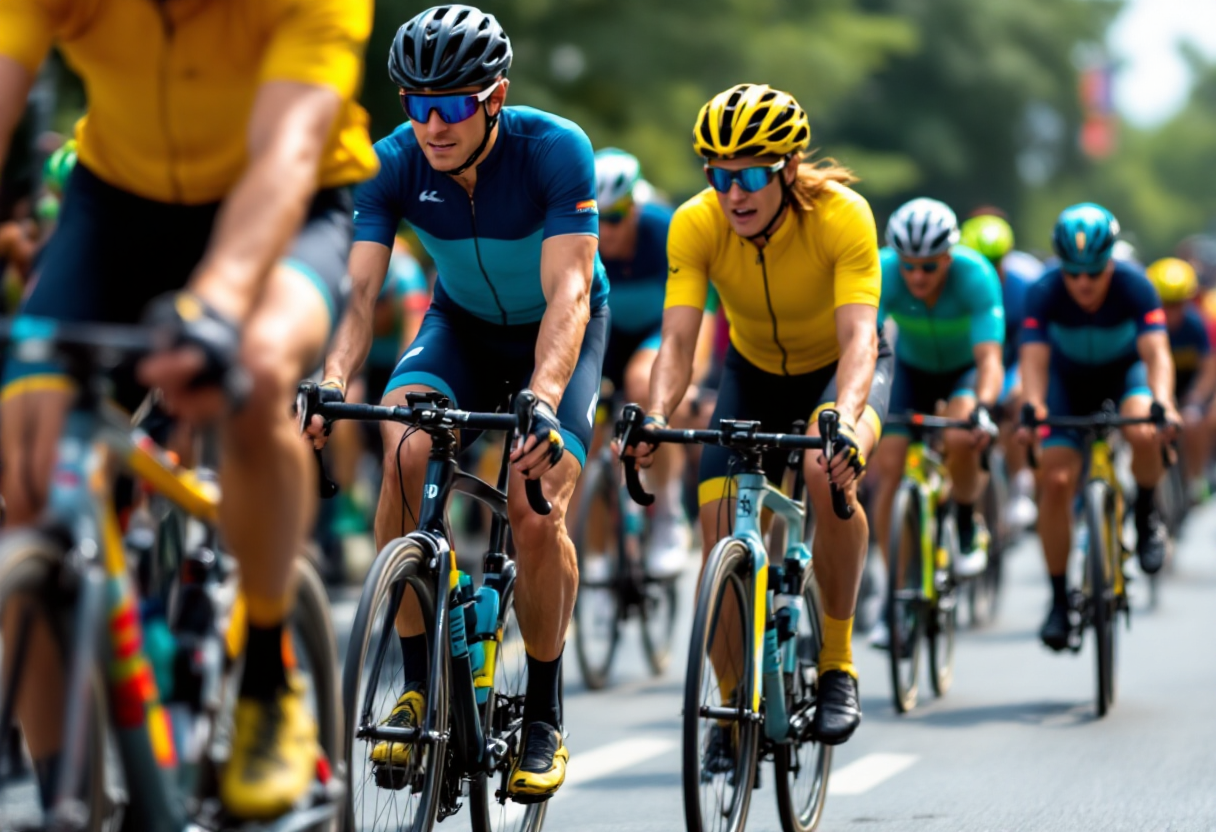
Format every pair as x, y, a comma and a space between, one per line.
859, 776
586, 766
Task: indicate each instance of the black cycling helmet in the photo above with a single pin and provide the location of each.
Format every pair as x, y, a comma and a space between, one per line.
447, 47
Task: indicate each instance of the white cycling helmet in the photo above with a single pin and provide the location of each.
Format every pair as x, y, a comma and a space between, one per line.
922, 228
616, 174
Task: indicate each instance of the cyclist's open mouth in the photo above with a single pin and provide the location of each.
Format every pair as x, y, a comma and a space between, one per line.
743, 213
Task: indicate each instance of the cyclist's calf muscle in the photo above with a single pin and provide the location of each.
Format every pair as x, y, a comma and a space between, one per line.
30, 426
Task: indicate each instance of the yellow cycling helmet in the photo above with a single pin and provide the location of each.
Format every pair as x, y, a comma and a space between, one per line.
751, 120
1175, 280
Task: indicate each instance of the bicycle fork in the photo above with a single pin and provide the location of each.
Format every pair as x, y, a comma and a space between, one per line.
784, 609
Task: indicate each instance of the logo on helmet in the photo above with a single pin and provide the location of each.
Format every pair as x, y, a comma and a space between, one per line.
1080, 240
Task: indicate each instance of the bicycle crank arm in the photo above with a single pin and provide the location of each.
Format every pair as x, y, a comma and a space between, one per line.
730, 714
402, 735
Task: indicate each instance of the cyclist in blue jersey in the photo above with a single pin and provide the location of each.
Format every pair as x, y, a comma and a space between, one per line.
992, 237
946, 301
1194, 365
503, 200
1094, 330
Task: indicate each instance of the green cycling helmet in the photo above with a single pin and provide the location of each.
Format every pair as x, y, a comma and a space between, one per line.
58, 167
990, 235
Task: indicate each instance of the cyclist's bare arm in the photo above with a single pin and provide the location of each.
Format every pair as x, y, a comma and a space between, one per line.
704, 353
1033, 361
353, 339
672, 371
857, 333
567, 264
15, 82
1205, 385
288, 131
990, 374
1154, 349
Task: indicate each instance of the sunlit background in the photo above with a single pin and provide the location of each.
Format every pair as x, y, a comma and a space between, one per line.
1026, 105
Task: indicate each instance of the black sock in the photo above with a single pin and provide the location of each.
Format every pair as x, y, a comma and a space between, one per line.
966, 525
265, 676
1145, 502
543, 700
1059, 591
47, 770
415, 664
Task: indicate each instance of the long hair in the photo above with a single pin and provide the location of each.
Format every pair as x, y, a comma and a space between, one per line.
813, 177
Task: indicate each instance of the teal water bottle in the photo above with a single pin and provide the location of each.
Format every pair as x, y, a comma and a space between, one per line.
159, 646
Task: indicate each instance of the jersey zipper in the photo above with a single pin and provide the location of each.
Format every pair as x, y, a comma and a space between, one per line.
163, 89
768, 298
477, 249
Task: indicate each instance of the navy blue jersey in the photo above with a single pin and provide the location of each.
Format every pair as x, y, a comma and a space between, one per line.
1020, 271
1081, 340
1189, 345
639, 285
538, 181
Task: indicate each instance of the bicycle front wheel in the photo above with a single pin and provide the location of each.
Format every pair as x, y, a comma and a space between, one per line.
1100, 561
905, 597
597, 540
802, 766
942, 616
721, 748
37, 620
399, 795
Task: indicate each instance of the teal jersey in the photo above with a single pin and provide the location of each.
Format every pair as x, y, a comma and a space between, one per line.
942, 338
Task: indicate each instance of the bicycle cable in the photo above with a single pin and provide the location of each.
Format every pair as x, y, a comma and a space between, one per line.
405, 503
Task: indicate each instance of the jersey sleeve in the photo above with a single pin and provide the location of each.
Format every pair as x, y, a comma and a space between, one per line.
26, 32
689, 241
377, 209
568, 181
888, 262
987, 307
1145, 303
1034, 325
320, 42
858, 272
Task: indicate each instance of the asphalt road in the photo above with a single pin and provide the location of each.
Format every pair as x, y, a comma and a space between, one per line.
1014, 745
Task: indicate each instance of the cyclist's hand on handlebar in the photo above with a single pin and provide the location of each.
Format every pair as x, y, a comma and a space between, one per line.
197, 365
1026, 435
1173, 421
848, 462
317, 428
542, 447
984, 430
644, 452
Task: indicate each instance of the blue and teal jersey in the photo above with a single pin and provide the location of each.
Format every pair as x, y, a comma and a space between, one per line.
537, 182
639, 285
1106, 337
1190, 346
1020, 272
942, 337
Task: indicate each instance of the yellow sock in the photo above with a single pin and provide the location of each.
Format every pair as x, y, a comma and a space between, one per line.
837, 651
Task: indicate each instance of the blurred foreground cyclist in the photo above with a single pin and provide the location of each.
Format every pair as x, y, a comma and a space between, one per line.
503, 200
1094, 330
232, 156
792, 252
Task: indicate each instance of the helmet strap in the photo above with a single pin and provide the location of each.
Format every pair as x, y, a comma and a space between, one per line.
491, 121
765, 235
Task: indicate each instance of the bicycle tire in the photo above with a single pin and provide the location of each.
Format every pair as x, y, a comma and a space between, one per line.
597, 608
510, 682
905, 598
1098, 561
983, 593
404, 559
30, 565
312, 625
803, 815
942, 617
660, 606
727, 570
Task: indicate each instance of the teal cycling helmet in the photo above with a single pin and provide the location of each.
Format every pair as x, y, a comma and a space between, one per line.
58, 167
1085, 235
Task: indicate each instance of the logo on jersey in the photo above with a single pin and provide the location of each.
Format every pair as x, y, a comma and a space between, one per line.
412, 352
429, 196
1030, 323
1155, 318
673, 269
587, 206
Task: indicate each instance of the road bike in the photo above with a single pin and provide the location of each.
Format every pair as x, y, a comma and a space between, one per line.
611, 534
146, 631
752, 680
1102, 595
471, 732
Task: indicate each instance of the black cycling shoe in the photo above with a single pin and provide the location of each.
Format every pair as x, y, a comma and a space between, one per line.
837, 709
1151, 538
1057, 629
719, 752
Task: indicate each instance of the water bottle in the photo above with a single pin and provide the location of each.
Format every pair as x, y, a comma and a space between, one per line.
484, 650
159, 645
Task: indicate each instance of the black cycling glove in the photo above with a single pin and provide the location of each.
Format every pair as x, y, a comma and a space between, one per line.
847, 445
981, 419
183, 319
547, 430
309, 394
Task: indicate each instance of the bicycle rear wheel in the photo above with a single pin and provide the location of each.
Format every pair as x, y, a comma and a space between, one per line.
720, 754
502, 719
942, 616
983, 593
383, 797
803, 765
659, 606
597, 540
905, 597
37, 617
1099, 560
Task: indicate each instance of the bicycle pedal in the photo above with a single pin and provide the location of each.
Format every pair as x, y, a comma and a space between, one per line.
524, 799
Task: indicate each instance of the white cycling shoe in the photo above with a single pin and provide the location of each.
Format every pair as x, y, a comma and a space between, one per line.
880, 636
670, 543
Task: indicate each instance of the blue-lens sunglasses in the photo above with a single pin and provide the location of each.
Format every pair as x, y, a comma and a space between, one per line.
453, 109
750, 179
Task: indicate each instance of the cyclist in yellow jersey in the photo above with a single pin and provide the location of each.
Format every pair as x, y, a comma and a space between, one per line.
793, 253
227, 132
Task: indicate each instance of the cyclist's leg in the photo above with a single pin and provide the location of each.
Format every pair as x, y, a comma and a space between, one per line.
1060, 464
1147, 469
967, 478
910, 393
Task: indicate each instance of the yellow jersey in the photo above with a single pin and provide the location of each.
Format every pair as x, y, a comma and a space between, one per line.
170, 84
781, 299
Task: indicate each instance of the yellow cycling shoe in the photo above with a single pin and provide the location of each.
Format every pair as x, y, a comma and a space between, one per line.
541, 769
407, 714
274, 756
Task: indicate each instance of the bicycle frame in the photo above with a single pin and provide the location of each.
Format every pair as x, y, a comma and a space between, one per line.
925, 472
1102, 469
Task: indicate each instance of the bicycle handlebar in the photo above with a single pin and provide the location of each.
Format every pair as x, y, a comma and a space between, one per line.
921, 421
735, 435
428, 415
1105, 419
